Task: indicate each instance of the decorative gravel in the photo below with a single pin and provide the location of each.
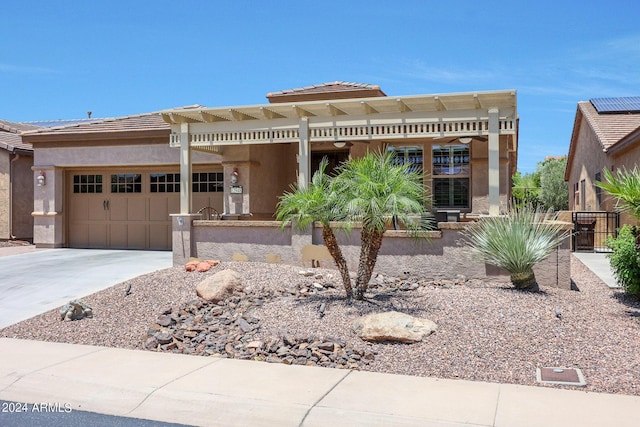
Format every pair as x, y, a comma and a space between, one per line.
486, 331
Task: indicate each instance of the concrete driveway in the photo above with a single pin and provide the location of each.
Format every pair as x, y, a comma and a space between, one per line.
35, 281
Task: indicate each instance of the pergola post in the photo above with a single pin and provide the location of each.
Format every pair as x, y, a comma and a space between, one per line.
304, 158
185, 169
494, 162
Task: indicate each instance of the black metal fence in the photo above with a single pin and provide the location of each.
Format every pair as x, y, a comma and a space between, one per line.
591, 230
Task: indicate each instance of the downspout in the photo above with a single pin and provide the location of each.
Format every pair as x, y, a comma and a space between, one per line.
15, 157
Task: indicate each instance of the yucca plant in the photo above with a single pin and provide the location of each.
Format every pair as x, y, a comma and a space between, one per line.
516, 242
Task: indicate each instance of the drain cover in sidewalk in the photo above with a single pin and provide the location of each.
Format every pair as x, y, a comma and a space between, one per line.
562, 376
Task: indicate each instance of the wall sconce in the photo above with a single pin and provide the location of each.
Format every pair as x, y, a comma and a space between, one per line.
465, 140
234, 176
342, 144
41, 179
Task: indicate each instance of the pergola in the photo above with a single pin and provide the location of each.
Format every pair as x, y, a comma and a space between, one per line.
488, 114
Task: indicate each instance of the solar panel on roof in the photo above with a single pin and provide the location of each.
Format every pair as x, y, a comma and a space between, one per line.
627, 104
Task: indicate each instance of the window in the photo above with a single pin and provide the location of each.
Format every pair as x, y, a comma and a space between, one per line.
583, 189
126, 183
207, 182
87, 183
450, 170
164, 182
409, 155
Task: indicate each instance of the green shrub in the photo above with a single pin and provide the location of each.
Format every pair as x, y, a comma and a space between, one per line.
625, 260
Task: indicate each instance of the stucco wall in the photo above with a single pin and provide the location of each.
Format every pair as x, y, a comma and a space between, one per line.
116, 155
16, 196
442, 256
5, 186
22, 222
588, 159
629, 159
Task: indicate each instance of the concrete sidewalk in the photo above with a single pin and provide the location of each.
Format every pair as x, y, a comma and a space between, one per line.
599, 264
205, 391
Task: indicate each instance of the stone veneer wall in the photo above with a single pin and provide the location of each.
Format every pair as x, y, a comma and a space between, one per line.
441, 255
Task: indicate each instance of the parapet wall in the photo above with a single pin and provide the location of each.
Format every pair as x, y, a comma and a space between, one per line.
433, 255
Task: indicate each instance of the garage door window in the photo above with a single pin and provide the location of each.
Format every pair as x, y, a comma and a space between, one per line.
165, 183
208, 182
126, 183
87, 183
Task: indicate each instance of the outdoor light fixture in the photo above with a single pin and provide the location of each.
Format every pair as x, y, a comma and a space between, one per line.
234, 176
342, 144
41, 179
465, 140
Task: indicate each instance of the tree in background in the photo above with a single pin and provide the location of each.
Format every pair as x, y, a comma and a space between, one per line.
544, 188
554, 190
526, 189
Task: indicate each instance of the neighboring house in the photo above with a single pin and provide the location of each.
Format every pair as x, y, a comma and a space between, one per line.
114, 183
16, 182
606, 135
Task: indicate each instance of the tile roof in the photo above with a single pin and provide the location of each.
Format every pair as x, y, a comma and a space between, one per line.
16, 127
609, 128
328, 88
11, 136
12, 142
138, 122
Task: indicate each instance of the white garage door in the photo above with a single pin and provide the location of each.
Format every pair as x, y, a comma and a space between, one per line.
129, 209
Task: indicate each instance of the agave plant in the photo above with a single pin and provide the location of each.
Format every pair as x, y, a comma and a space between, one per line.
516, 242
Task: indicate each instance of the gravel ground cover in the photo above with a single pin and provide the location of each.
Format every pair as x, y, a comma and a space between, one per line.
487, 331
13, 243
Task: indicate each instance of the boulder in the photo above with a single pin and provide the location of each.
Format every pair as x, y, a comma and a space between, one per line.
392, 326
75, 310
203, 266
219, 286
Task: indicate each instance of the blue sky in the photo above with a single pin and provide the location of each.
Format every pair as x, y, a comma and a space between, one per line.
61, 59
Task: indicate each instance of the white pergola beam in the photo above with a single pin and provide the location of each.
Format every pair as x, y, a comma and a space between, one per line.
270, 114
402, 106
368, 109
334, 111
239, 115
301, 112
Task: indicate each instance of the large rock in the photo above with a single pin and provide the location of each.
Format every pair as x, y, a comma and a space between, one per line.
392, 326
220, 286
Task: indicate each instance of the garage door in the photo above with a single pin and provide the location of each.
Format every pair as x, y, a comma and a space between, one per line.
130, 209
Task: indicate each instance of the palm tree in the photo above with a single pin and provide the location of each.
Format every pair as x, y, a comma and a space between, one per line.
375, 191
317, 202
516, 242
625, 187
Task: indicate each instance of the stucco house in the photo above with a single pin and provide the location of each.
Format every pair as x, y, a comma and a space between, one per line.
606, 135
113, 183
16, 182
